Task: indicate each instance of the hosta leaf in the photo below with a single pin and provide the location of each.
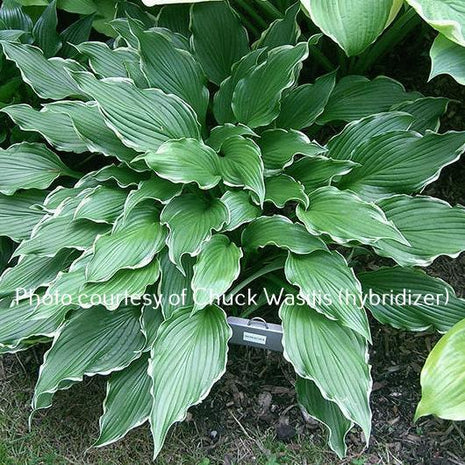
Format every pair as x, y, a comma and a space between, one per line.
279, 147
14, 17
326, 274
185, 161
150, 321
409, 163
218, 38
127, 403
10, 35
283, 31
443, 377
352, 24
282, 232
220, 133
191, 220
102, 205
433, 304
176, 18
134, 11
431, 226
256, 98
44, 31
334, 357
142, 118
183, 344
132, 244
345, 218
447, 16
217, 267
121, 174
29, 166
50, 78
74, 34
91, 342
59, 196
301, 106
325, 411
18, 215
281, 189
241, 210
56, 128
447, 58
355, 97
85, 7
241, 164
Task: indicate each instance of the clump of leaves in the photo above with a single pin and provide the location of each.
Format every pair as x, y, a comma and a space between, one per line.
208, 181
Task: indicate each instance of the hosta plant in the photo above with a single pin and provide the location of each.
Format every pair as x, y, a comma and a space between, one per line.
220, 169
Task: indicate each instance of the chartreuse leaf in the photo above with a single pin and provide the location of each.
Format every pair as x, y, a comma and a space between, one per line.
281, 189
185, 161
184, 344
326, 412
334, 357
18, 215
443, 378
29, 166
352, 24
44, 31
301, 106
431, 226
220, 133
282, 232
447, 58
279, 147
433, 303
127, 403
241, 164
329, 285
241, 209
50, 78
55, 127
257, 96
217, 267
91, 342
345, 217
355, 97
409, 163
218, 38
142, 118
446, 16
191, 220
131, 244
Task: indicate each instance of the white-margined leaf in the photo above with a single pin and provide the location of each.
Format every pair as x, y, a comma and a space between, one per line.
75, 34
14, 17
281, 189
447, 57
121, 174
151, 319
220, 133
241, 209
44, 31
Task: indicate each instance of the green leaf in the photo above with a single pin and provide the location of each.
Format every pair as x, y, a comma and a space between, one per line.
217, 267
326, 412
127, 403
447, 58
132, 244
218, 38
18, 215
241, 164
45, 33
75, 34
183, 344
79, 346
85, 7
14, 17
279, 147
301, 106
241, 210
121, 174
220, 133
176, 18
352, 24
334, 357
50, 79
431, 226
345, 217
329, 285
142, 118
282, 232
257, 96
433, 303
151, 319
185, 161
355, 97
443, 378
56, 128
281, 189
29, 166
409, 163
191, 220
446, 16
